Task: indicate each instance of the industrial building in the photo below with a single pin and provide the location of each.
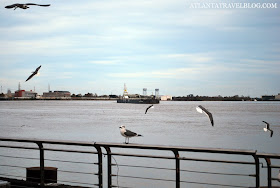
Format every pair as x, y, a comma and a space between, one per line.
57, 94
277, 97
166, 98
25, 94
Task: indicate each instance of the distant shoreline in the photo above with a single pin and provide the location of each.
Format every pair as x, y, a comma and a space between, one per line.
115, 99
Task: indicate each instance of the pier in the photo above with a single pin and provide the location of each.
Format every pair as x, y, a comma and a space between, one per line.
96, 164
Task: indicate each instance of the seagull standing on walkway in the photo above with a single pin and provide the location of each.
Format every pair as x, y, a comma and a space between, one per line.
201, 109
279, 176
267, 128
33, 73
151, 106
24, 6
127, 133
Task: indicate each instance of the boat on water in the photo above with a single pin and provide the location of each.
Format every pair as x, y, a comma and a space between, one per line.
137, 99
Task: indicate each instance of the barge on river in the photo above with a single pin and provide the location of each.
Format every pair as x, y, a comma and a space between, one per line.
137, 99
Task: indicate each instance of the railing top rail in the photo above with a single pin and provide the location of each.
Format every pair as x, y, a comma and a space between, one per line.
269, 155
46, 141
178, 148
144, 146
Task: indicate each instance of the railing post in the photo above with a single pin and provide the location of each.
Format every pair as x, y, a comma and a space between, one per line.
268, 162
257, 164
176, 153
100, 172
109, 164
42, 165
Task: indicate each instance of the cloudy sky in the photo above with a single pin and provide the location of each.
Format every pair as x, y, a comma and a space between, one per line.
96, 46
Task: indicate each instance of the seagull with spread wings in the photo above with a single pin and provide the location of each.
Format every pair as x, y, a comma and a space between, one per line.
151, 106
201, 109
127, 133
24, 6
33, 73
267, 128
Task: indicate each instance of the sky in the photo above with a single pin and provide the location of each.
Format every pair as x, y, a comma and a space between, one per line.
93, 46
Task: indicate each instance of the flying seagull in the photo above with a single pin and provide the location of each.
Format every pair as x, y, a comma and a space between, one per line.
33, 73
127, 134
201, 109
151, 106
24, 6
267, 128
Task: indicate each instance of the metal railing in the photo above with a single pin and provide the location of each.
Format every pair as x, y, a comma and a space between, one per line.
179, 161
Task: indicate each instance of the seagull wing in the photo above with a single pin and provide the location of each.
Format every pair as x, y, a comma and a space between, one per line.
211, 118
129, 133
38, 4
201, 109
34, 73
271, 133
30, 76
37, 69
11, 6
267, 124
148, 108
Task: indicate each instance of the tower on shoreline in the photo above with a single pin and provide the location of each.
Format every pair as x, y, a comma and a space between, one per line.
156, 92
144, 91
125, 93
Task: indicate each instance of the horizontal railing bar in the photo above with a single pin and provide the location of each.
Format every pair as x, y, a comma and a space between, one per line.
71, 151
80, 143
183, 158
193, 171
151, 167
274, 166
216, 184
57, 170
10, 156
216, 161
48, 149
139, 146
218, 173
53, 180
55, 160
13, 166
159, 179
178, 148
19, 147
268, 155
76, 172
144, 178
64, 161
136, 146
75, 182
140, 155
